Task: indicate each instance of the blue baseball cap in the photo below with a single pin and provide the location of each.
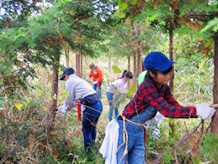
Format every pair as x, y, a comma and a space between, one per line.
67, 71
157, 61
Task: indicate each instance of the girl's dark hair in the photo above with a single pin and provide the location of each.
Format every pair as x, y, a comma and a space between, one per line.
123, 73
128, 74
154, 71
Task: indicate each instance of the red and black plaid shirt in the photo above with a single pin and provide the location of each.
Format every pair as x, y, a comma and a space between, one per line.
150, 93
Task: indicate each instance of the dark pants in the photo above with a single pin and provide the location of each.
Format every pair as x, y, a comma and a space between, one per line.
91, 115
98, 90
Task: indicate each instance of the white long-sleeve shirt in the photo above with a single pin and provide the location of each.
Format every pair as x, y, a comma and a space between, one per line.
119, 84
77, 89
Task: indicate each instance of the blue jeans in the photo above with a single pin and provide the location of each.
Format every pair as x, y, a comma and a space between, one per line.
91, 115
111, 105
136, 148
98, 90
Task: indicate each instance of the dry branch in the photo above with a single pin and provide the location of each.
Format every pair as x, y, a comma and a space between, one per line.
182, 141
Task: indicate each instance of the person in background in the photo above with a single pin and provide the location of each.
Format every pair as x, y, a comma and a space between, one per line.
141, 76
151, 96
116, 87
97, 75
80, 90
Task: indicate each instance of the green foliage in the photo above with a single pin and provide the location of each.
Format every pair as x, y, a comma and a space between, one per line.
209, 147
134, 2
213, 24
116, 69
13, 12
122, 5
120, 14
167, 158
132, 90
39, 41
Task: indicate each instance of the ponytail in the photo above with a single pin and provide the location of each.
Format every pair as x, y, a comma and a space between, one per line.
124, 72
127, 74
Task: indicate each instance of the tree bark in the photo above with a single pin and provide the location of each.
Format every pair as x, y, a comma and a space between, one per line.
214, 123
81, 65
128, 84
171, 124
139, 54
139, 59
134, 69
54, 95
171, 58
67, 50
78, 62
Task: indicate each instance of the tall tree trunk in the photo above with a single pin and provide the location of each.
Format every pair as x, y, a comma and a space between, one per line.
128, 84
81, 65
139, 62
171, 58
134, 56
134, 69
139, 54
214, 125
67, 50
54, 95
139, 59
129, 65
171, 124
78, 67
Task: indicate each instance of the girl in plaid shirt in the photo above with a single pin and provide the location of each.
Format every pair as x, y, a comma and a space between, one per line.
152, 95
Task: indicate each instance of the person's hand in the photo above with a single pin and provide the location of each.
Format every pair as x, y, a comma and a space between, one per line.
205, 111
87, 79
62, 109
95, 82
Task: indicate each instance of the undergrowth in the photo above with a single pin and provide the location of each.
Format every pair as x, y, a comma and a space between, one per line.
26, 138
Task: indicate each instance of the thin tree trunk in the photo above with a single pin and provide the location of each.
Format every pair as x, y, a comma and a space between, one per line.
128, 84
214, 125
134, 56
67, 50
134, 69
54, 95
139, 59
139, 54
129, 63
171, 124
171, 58
78, 64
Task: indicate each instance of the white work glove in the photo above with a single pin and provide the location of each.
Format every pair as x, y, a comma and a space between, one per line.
95, 82
204, 111
62, 109
87, 79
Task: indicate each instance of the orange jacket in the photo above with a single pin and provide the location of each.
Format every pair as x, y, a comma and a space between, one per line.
96, 76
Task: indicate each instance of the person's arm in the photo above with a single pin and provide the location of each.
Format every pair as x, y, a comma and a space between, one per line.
152, 98
115, 85
90, 74
70, 99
